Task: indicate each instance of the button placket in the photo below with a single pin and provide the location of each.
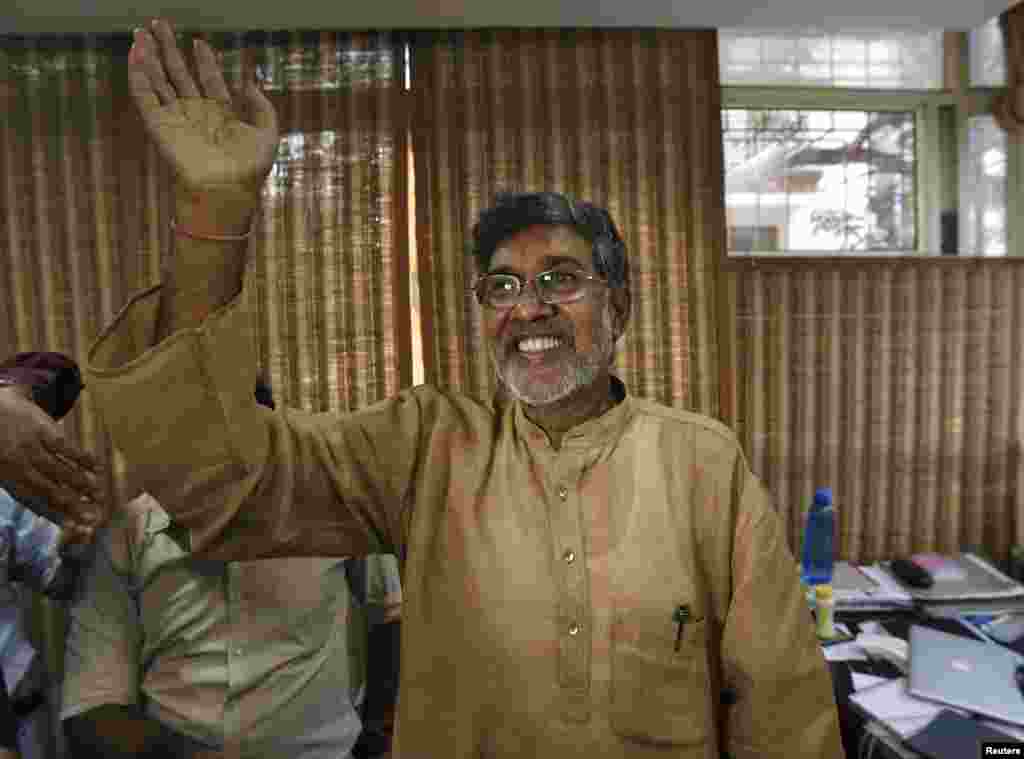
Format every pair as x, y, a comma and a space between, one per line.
573, 633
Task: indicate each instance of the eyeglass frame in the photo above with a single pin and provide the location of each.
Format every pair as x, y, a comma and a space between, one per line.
525, 282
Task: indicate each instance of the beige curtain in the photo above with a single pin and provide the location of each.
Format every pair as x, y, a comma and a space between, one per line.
626, 119
85, 206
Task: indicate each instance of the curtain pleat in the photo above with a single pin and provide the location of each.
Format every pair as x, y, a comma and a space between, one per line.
85, 205
898, 385
624, 119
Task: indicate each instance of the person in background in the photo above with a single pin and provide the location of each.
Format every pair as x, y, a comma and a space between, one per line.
170, 655
35, 555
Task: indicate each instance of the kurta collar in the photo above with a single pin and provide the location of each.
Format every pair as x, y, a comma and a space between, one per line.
591, 432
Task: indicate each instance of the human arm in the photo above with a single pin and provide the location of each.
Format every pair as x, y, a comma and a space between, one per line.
101, 690
220, 149
247, 483
122, 731
771, 659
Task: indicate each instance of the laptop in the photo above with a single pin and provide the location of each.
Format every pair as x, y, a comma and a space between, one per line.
980, 677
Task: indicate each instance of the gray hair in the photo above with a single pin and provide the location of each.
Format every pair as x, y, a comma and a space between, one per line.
514, 212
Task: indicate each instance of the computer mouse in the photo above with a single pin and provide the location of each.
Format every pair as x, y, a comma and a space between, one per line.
911, 574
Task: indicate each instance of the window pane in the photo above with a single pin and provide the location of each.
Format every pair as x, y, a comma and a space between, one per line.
987, 56
819, 180
877, 60
983, 189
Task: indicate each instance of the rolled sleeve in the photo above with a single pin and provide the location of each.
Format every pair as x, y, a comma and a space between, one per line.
246, 481
771, 658
103, 644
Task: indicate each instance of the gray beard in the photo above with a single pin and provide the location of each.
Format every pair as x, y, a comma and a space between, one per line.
580, 370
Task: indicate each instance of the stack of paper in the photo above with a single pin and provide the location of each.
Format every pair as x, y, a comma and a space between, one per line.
867, 589
891, 705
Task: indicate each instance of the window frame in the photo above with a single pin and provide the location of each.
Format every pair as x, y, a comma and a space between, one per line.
940, 123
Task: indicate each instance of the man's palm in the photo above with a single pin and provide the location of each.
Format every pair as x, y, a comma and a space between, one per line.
209, 146
198, 127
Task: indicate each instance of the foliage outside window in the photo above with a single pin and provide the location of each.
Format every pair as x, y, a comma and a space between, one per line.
847, 144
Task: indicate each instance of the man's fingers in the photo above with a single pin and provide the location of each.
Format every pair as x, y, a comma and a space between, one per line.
53, 461
174, 63
147, 58
138, 80
61, 446
211, 79
261, 111
45, 496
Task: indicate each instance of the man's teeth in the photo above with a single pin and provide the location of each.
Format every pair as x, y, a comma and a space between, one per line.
538, 344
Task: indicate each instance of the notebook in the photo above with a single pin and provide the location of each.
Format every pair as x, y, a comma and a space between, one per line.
976, 676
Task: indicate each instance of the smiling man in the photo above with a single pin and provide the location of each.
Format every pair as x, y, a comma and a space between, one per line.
553, 351
583, 571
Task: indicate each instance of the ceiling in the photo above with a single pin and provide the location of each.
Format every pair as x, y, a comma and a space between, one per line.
59, 16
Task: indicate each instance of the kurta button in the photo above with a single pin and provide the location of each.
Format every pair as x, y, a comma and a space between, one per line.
563, 492
574, 628
569, 556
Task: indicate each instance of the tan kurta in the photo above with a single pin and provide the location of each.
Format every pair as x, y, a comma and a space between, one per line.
540, 585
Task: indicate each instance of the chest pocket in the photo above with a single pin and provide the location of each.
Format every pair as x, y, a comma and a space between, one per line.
659, 694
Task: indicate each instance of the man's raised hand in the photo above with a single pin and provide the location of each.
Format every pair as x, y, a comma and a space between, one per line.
220, 148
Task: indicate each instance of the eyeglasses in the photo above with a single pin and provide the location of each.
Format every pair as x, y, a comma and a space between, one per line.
555, 287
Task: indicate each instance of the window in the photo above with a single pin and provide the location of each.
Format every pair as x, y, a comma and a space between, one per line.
836, 180
867, 60
847, 143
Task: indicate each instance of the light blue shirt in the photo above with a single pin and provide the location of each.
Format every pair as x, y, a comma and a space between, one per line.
28, 555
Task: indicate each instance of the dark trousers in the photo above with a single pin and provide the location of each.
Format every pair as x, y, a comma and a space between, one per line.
8, 720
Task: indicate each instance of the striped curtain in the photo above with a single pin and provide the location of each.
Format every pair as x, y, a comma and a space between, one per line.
85, 205
626, 119
898, 384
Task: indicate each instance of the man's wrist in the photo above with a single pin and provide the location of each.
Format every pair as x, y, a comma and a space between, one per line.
227, 212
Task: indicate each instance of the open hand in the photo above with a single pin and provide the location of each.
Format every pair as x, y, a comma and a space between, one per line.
42, 469
216, 144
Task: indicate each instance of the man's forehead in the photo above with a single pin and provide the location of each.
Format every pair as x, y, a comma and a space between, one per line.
541, 245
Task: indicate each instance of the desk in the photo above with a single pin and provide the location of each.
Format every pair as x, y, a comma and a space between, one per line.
859, 730
855, 727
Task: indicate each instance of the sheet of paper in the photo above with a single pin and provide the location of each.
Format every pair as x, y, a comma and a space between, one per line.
862, 681
844, 652
892, 705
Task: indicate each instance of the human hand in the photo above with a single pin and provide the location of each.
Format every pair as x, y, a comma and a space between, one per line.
75, 534
220, 148
39, 466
